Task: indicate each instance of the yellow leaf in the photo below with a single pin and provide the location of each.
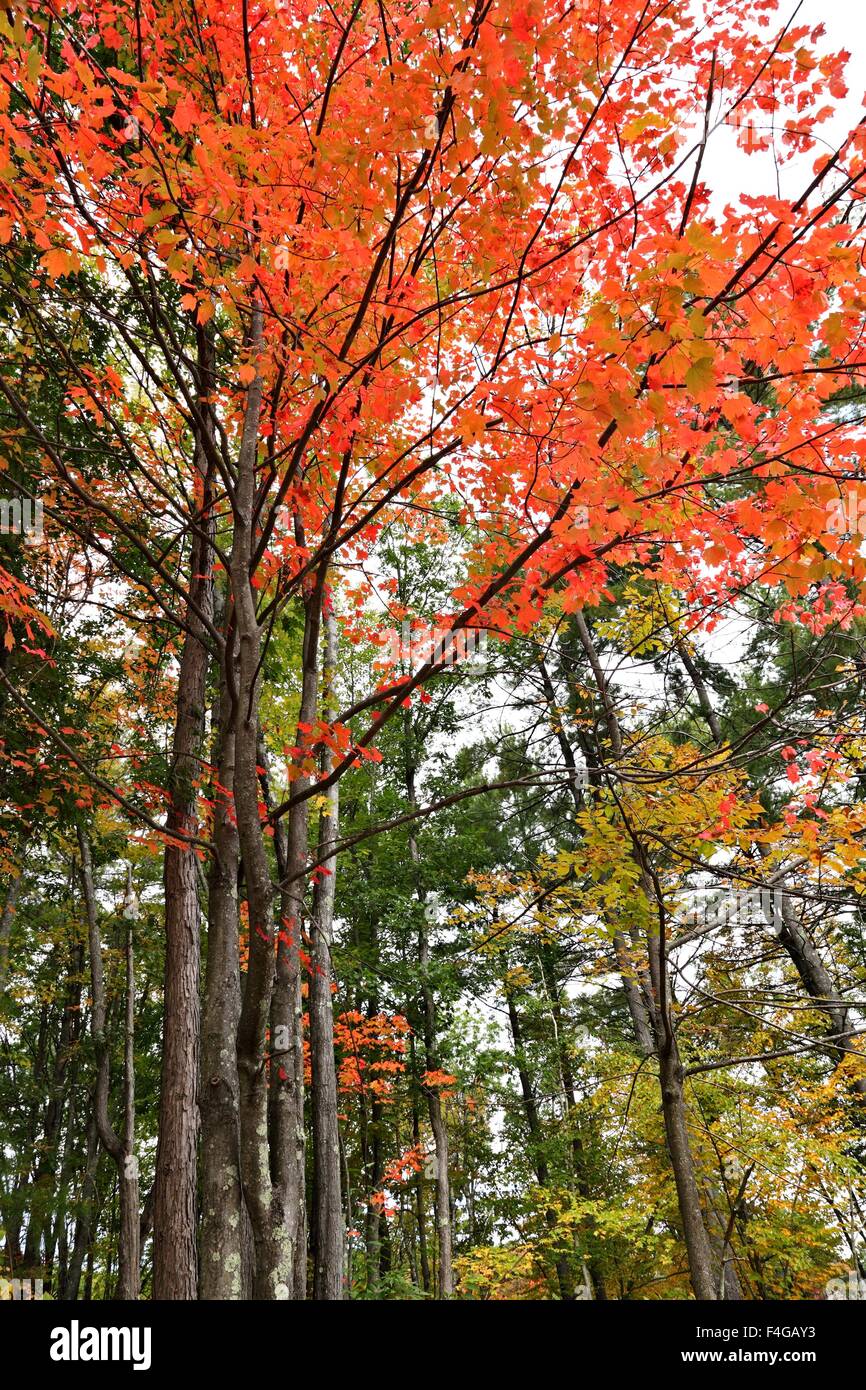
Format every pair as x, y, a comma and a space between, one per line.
700, 376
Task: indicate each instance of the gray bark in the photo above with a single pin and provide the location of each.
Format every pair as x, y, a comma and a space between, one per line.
84, 1222
175, 1244
274, 1222
223, 1210
13, 893
445, 1281
327, 1214
120, 1148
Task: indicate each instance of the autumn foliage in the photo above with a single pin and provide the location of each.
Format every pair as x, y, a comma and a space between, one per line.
328, 323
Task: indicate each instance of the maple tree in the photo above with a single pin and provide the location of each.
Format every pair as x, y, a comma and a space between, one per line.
328, 323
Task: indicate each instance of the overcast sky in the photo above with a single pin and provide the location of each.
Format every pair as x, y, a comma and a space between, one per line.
729, 171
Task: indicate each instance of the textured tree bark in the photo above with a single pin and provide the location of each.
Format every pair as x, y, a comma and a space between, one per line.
286, 1099
420, 1213
121, 1149
273, 1224
175, 1245
7, 918
327, 1214
445, 1282
175, 1258
44, 1179
286, 1137
698, 1247
71, 1284
223, 1211
286, 1132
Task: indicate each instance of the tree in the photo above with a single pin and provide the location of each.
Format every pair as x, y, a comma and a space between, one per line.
291, 282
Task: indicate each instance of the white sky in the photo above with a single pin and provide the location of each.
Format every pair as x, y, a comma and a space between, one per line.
731, 171
845, 22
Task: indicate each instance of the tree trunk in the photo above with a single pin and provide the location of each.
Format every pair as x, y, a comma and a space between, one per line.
274, 1225
666, 1049
122, 1150
45, 1177
327, 1215
85, 1220
7, 919
569, 1092
434, 1103
536, 1137
437, 1124
223, 1211
634, 996
694, 1231
420, 1214
175, 1246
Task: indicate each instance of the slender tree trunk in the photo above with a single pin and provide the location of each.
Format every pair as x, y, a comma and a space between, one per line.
121, 1150
327, 1215
223, 1211
286, 1098
724, 1261
59, 1237
175, 1260
130, 1273
7, 919
434, 1103
373, 1174
84, 1221
698, 1247
14, 1215
175, 1244
569, 1092
286, 1134
274, 1224
536, 1138
420, 1214
671, 1076
45, 1178
437, 1124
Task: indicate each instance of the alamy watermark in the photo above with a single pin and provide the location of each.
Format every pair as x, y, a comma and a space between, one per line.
414, 644
741, 906
20, 1290
846, 516
848, 1287
21, 518
77, 1343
